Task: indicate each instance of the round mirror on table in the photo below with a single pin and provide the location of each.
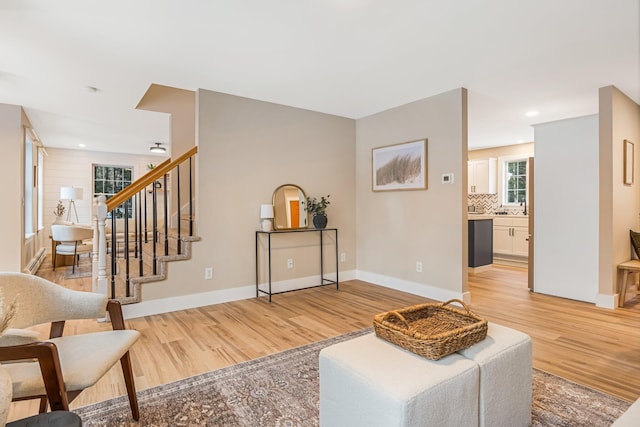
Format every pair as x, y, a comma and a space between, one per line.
289, 208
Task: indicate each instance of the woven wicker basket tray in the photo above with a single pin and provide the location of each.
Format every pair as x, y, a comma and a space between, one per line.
432, 330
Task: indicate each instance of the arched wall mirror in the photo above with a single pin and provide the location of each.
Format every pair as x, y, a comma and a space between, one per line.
289, 208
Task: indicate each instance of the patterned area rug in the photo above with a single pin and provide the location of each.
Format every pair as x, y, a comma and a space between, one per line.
282, 390
69, 274
83, 269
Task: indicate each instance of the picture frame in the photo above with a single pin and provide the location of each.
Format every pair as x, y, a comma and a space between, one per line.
628, 162
401, 166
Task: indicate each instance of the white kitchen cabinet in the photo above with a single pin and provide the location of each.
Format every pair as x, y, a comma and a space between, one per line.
502, 239
510, 236
482, 176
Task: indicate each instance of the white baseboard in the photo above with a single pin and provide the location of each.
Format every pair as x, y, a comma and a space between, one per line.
607, 301
184, 302
482, 268
415, 288
305, 282
36, 262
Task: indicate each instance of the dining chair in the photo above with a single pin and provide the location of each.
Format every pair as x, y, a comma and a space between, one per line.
71, 241
56, 370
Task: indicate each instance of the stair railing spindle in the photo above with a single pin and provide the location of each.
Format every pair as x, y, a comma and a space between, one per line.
154, 209
126, 248
166, 217
190, 196
114, 255
179, 242
141, 194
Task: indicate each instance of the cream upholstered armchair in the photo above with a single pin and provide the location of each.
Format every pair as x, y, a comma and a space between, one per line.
58, 369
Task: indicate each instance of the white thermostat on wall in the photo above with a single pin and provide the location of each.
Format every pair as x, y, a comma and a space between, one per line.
447, 178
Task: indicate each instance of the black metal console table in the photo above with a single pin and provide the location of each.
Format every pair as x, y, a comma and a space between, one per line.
323, 281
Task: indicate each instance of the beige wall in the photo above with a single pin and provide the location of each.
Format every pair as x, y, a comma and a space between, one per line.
11, 218
398, 228
180, 104
619, 119
247, 148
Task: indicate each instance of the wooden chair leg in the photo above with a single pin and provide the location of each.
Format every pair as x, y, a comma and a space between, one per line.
127, 371
43, 405
623, 290
54, 260
75, 258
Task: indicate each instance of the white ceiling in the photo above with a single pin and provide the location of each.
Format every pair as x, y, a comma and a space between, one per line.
351, 58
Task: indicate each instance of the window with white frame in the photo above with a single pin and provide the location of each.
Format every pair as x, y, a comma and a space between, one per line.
109, 180
515, 182
29, 184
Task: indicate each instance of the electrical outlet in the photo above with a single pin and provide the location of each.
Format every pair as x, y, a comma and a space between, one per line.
290, 263
208, 273
419, 266
343, 257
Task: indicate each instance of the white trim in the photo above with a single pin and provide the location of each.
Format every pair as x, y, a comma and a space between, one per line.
607, 301
501, 181
415, 288
34, 264
184, 302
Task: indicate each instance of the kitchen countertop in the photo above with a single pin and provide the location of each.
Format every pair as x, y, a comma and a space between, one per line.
475, 216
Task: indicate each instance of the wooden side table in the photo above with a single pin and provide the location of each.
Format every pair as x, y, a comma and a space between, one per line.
631, 266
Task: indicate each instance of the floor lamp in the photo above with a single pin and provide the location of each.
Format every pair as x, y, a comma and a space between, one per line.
72, 194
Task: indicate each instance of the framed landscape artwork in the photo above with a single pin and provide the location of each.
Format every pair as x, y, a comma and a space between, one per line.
400, 166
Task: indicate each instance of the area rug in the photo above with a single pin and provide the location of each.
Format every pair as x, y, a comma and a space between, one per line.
283, 390
69, 274
83, 269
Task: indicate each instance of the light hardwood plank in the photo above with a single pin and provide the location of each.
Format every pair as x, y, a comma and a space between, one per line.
596, 347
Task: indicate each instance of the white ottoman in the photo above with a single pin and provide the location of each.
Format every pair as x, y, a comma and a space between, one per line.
631, 418
504, 358
369, 382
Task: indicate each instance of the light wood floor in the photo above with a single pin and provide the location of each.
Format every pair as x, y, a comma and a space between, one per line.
592, 346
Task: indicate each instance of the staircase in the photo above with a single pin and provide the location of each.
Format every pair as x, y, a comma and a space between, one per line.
136, 251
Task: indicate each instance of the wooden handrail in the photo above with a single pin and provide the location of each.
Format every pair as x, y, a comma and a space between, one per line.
147, 179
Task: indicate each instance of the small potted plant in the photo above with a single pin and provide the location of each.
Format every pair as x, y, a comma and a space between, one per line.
317, 208
58, 212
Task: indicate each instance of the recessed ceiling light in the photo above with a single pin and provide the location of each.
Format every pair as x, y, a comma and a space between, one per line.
81, 145
157, 148
531, 113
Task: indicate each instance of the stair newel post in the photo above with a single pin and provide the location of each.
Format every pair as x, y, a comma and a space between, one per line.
94, 241
179, 242
166, 217
100, 285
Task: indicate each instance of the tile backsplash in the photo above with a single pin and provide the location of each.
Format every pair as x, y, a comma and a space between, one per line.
488, 204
